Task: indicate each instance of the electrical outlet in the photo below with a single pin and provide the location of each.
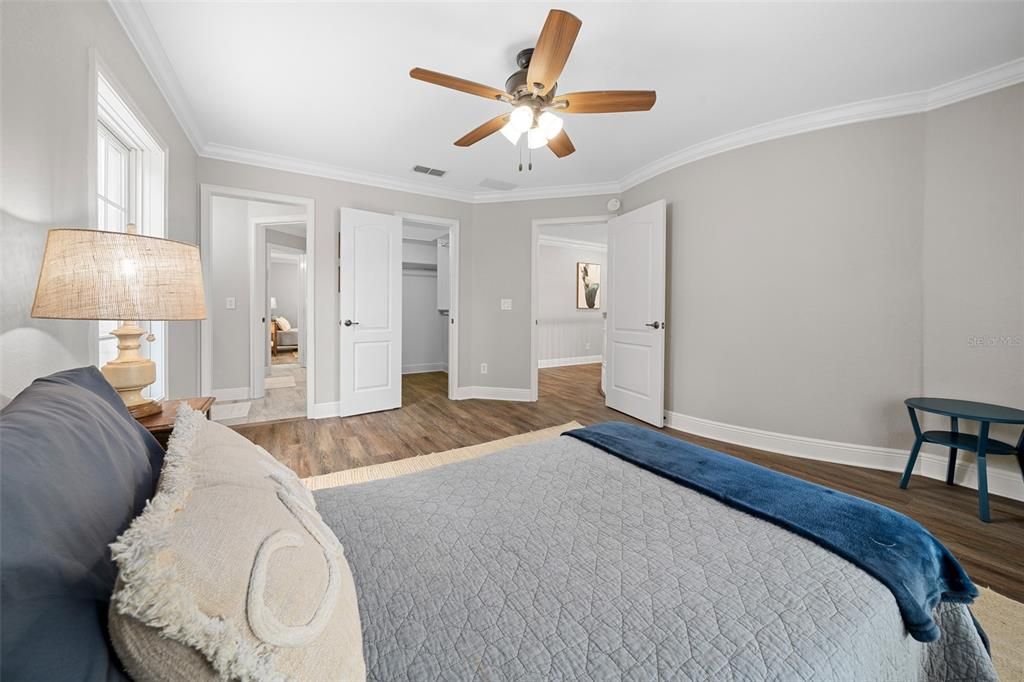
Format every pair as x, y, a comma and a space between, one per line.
506, 304
229, 303
588, 345
483, 368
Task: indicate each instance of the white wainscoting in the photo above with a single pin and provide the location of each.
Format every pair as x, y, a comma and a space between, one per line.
1005, 482
562, 339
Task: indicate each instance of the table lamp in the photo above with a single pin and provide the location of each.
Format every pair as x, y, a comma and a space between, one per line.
98, 275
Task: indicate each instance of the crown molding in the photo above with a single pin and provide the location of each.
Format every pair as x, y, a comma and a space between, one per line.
557, 192
980, 83
136, 24
565, 242
135, 21
222, 152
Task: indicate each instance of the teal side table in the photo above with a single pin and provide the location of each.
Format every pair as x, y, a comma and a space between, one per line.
983, 413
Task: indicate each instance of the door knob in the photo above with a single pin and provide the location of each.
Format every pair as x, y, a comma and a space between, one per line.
349, 323
655, 324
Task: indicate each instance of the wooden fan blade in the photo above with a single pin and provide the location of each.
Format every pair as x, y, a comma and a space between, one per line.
561, 145
606, 101
553, 48
480, 132
460, 84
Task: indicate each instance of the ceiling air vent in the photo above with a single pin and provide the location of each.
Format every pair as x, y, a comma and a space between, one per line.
436, 172
491, 183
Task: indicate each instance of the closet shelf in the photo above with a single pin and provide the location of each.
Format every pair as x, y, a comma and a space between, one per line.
431, 267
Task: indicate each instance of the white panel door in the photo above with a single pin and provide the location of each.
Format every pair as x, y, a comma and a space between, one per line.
635, 352
371, 312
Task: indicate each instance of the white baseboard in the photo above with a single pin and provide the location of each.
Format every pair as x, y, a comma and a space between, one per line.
426, 367
493, 393
324, 410
565, 362
1005, 482
240, 393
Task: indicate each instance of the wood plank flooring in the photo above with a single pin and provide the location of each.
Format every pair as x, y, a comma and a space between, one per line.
992, 553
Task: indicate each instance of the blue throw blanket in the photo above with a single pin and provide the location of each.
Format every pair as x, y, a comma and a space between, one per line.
894, 549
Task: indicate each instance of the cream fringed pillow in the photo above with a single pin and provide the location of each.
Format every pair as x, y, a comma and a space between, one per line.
230, 571
283, 324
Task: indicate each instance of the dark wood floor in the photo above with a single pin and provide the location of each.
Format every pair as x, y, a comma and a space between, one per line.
992, 553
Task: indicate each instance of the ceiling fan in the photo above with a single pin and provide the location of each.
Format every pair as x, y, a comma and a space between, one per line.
531, 92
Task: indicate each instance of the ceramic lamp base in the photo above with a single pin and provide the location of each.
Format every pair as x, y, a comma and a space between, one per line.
130, 373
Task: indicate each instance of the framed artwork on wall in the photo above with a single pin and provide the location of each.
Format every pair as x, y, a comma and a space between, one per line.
588, 286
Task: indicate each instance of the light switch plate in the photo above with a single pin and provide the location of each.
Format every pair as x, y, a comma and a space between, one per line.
229, 303
506, 304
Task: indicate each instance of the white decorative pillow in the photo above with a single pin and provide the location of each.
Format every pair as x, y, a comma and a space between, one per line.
283, 324
231, 572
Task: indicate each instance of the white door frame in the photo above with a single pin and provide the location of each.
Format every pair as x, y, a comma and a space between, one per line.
206, 194
259, 255
538, 223
454, 321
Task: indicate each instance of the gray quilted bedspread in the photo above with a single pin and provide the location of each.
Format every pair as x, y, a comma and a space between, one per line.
558, 561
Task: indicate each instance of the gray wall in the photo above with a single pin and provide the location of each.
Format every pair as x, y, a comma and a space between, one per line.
229, 253
424, 329
818, 280
565, 331
45, 140
973, 265
285, 239
285, 285
229, 274
501, 269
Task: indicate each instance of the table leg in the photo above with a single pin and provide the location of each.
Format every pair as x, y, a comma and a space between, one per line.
982, 473
951, 469
918, 440
1020, 453
910, 464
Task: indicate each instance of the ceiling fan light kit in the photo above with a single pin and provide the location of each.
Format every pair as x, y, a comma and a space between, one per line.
535, 138
531, 93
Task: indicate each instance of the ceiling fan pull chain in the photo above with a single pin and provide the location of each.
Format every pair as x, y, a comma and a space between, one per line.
530, 167
520, 146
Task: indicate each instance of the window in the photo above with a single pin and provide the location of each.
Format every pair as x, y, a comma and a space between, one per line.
130, 188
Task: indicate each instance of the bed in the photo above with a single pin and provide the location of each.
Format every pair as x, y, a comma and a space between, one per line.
559, 561
554, 560
283, 336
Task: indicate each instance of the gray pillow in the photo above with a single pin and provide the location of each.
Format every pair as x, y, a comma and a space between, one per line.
76, 469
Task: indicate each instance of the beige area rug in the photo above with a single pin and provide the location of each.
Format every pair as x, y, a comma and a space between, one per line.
1002, 617
279, 382
1003, 620
411, 465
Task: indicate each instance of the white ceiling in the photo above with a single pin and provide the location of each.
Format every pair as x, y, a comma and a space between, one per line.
328, 83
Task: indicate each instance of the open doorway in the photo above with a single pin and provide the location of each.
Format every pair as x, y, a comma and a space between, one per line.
430, 304
569, 288
256, 344
382, 260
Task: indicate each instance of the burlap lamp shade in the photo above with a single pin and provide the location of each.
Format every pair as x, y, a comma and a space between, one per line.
97, 275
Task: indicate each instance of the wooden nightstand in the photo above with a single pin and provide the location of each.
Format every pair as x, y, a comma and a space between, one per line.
161, 423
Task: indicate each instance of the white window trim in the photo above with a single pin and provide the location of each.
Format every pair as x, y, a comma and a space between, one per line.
110, 106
